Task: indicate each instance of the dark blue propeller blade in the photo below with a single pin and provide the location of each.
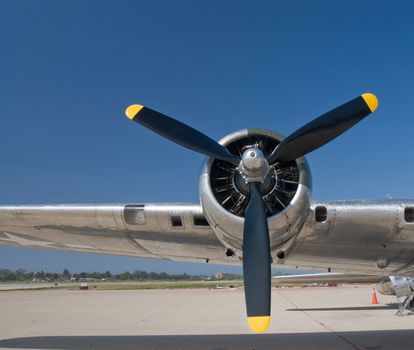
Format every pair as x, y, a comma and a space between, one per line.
324, 128
256, 261
179, 133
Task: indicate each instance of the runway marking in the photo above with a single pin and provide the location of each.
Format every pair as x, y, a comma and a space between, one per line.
329, 329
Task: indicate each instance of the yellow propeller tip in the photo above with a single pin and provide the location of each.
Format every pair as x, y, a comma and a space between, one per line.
258, 324
371, 100
133, 110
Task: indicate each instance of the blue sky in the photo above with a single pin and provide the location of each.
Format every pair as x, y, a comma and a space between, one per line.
68, 69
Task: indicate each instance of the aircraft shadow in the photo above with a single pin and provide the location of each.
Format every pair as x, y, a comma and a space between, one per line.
359, 340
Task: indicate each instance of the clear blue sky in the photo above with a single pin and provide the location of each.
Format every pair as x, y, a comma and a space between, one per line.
68, 69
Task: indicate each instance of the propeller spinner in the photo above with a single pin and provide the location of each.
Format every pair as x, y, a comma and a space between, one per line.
254, 168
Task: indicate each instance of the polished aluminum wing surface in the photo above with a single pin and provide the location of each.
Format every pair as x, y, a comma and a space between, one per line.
163, 231
354, 237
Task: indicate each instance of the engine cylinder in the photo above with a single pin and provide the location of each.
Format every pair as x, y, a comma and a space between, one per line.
286, 191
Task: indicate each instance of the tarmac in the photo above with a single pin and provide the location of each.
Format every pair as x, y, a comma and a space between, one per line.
302, 318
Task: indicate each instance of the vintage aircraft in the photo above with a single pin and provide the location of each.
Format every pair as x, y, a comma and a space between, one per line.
256, 210
400, 286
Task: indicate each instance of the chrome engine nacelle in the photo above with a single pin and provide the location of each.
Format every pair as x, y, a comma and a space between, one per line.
396, 285
224, 194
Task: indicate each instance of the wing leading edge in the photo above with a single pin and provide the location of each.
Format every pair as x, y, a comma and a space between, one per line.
162, 231
353, 237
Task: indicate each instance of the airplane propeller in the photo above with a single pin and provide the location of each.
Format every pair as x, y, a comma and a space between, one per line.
255, 167
324, 128
179, 133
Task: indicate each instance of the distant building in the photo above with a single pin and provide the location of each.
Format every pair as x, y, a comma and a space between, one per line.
218, 275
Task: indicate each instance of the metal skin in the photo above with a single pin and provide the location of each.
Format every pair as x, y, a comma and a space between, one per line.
360, 237
387, 285
283, 227
115, 229
325, 277
253, 166
354, 238
398, 286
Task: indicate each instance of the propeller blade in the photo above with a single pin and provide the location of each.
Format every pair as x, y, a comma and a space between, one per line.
324, 128
256, 262
179, 133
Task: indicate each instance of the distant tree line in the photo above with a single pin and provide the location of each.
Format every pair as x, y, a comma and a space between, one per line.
22, 275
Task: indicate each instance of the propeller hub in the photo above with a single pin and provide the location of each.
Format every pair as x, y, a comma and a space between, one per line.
266, 186
253, 167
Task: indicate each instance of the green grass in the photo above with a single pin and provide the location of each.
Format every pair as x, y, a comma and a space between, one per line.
135, 285
165, 285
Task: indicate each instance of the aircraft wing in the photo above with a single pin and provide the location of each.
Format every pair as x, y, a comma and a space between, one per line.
354, 238
163, 231
357, 237
326, 278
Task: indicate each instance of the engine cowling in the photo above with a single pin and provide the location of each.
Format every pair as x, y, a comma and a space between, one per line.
396, 285
224, 195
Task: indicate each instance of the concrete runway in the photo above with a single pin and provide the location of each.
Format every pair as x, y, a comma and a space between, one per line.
309, 318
